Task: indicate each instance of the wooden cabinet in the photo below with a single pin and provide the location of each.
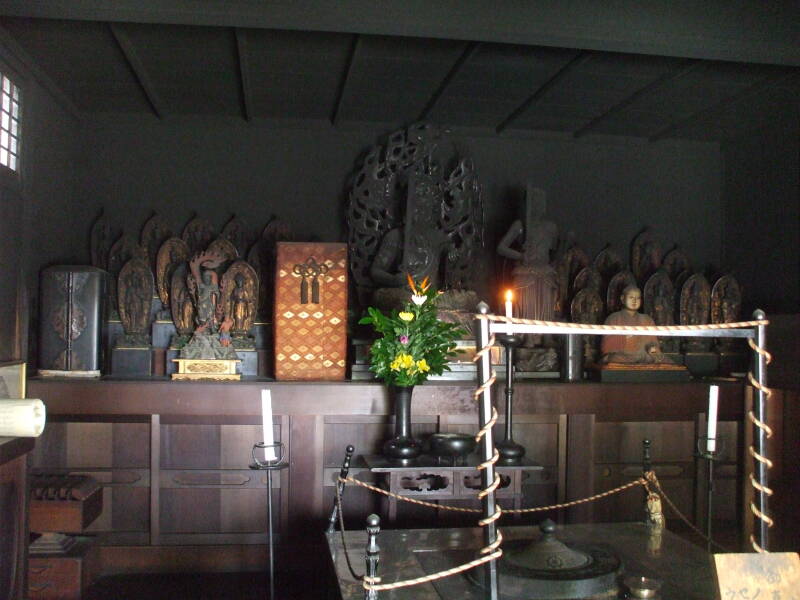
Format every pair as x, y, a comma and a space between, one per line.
173, 457
13, 516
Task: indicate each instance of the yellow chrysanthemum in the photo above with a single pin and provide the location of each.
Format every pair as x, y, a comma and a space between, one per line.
406, 316
402, 361
422, 366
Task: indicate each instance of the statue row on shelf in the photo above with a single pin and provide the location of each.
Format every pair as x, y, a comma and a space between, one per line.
198, 281
565, 284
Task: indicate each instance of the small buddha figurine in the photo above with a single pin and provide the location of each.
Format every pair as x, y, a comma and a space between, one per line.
631, 349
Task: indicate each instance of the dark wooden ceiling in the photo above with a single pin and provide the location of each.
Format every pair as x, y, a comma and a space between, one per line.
485, 86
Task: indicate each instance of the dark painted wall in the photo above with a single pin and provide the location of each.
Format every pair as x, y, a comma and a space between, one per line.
38, 220
605, 192
761, 195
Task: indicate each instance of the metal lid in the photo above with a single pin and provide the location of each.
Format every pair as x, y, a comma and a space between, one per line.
548, 553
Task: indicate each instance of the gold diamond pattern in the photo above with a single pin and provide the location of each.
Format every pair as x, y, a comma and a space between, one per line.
312, 336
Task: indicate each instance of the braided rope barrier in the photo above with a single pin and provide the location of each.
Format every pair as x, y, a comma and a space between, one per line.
506, 511
757, 486
490, 552
493, 550
622, 328
651, 478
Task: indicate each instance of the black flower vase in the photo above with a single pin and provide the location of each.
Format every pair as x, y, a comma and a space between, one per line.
402, 447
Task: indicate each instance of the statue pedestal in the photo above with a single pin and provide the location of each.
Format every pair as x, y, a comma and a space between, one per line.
733, 362
132, 362
629, 373
249, 360
702, 363
163, 331
199, 369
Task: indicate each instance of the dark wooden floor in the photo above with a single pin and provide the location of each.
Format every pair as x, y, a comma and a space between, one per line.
209, 586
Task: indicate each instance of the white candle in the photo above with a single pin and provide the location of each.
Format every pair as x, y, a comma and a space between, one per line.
509, 309
266, 420
713, 396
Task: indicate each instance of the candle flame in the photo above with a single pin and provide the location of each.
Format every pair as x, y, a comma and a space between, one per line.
509, 295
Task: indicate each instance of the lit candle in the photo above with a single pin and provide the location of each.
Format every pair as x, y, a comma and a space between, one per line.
266, 420
509, 310
713, 396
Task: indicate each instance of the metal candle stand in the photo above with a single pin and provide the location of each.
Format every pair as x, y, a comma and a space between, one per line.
510, 451
709, 455
269, 466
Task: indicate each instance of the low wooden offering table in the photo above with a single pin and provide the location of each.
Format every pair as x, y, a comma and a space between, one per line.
684, 569
427, 478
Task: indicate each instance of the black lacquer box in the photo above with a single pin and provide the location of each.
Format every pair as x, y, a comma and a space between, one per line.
71, 321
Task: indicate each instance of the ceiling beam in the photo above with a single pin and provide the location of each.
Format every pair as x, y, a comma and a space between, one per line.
136, 65
244, 73
351, 55
717, 108
577, 58
469, 51
685, 68
28, 66
762, 32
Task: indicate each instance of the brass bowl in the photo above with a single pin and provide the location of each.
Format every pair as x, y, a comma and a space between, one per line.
642, 587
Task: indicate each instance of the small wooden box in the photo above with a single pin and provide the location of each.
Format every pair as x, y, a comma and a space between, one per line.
310, 311
67, 515
63, 577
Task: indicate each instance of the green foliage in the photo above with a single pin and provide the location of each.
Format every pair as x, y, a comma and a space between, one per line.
414, 342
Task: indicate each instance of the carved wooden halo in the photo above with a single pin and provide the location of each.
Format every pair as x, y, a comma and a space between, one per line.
124, 249
139, 295
615, 287
251, 286
696, 287
100, 242
178, 296
165, 265
659, 283
725, 286
645, 255
198, 233
569, 264
237, 234
608, 262
588, 278
224, 248
583, 300
675, 262
155, 232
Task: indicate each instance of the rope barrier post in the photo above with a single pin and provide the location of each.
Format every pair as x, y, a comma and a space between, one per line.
487, 449
372, 555
348, 456
759, 433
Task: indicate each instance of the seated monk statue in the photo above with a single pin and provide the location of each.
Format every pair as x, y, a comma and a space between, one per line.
631, 349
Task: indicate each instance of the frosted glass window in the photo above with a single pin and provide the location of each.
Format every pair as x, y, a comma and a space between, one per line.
9, 123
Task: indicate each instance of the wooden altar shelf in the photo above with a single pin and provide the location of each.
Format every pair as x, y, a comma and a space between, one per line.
173, 456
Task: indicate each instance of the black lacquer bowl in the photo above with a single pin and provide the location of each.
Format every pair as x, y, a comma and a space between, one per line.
451, 445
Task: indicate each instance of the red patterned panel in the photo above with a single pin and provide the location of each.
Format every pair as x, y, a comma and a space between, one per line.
311, 337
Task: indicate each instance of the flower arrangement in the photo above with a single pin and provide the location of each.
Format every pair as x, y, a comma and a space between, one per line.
415, 343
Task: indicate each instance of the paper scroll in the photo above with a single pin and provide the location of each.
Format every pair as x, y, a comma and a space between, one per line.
22, 418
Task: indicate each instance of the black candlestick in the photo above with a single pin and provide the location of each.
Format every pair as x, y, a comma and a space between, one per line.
269, 466
709, 455
510, 452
